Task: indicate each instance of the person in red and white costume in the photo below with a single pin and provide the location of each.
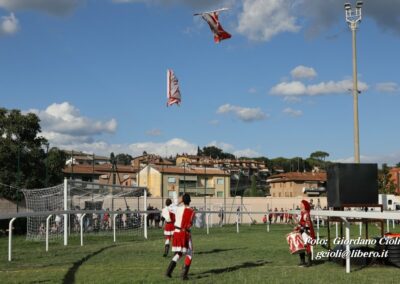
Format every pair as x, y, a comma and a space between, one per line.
305, 227
182, 241
169, 219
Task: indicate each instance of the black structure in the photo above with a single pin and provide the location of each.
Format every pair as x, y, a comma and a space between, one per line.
352, 184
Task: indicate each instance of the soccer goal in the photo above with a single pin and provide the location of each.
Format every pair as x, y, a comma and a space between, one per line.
42, 200
100, 209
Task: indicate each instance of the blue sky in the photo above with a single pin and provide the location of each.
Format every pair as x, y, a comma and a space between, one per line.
95, 73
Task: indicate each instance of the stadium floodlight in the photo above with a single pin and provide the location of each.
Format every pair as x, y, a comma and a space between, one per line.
353, 17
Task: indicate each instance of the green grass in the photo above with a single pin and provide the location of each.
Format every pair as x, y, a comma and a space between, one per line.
253, 256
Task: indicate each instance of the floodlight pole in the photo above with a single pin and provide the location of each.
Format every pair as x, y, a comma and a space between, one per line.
65, 208
353, 17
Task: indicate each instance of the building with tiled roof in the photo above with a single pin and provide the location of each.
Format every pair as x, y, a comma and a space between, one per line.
294, 184
104, 174
395, 176
147, 159
162, 181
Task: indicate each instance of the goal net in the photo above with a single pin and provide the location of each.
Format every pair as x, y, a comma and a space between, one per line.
85, 196
94, 196
42, 200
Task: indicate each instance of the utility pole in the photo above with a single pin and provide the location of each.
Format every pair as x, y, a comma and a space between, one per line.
353, 17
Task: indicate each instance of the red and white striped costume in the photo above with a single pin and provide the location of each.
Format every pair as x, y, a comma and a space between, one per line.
169, 217
182, 242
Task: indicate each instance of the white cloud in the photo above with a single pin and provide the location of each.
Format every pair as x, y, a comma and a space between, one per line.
294, 88
303, 72
391, 159
260, 20
229, 148
166, 148
9, 25
153, 132
192, 3
249, 153
292, 112
297, 88
252, 90
214, 122
292, 99
170, 147
63, 124
387, 87
55, 7
243, 113
226, 147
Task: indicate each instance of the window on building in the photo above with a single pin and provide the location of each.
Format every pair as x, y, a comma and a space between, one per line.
220, 181
187, 184
171, 180
220, 194
86, 178
290, 194
279, 194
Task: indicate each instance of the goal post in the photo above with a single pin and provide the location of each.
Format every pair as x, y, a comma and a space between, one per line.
113, 209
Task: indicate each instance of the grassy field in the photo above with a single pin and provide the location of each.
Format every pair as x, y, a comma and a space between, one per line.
253, 256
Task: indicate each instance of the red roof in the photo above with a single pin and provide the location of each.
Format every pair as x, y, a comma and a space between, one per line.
298, 176
98, 169
191, 170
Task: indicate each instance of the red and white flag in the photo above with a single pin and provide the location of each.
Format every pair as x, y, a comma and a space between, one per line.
212, 19
173, 92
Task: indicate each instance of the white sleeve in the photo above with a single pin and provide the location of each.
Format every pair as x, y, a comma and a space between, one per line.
172, 208
174, 199
165, 214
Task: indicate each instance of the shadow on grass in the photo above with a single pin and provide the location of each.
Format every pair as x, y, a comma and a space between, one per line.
70, 276
317, 262
243, 265
216, 251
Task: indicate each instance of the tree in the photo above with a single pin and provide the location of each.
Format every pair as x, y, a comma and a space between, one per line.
385, 181
319, 155
253, 191
398, 165
123, 159
22, 155
216, 153
253, 187
55, 163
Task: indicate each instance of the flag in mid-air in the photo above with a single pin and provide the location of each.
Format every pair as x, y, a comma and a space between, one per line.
212, 19
173, 92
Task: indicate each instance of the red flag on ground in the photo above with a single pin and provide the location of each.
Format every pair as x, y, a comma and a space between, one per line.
212, 19
173, 92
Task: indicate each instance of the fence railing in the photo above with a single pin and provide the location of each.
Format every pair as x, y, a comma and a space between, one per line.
347, 217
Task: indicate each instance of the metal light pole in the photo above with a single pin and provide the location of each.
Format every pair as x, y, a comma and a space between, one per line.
47, 164
353, 17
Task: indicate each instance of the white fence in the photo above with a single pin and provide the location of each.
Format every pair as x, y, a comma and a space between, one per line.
347, 216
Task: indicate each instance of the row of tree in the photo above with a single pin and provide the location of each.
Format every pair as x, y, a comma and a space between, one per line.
25, 160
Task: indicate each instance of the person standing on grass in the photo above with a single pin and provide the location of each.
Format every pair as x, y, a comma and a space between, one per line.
270, 216
276, 214
168, 216
182, 241
305, 227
